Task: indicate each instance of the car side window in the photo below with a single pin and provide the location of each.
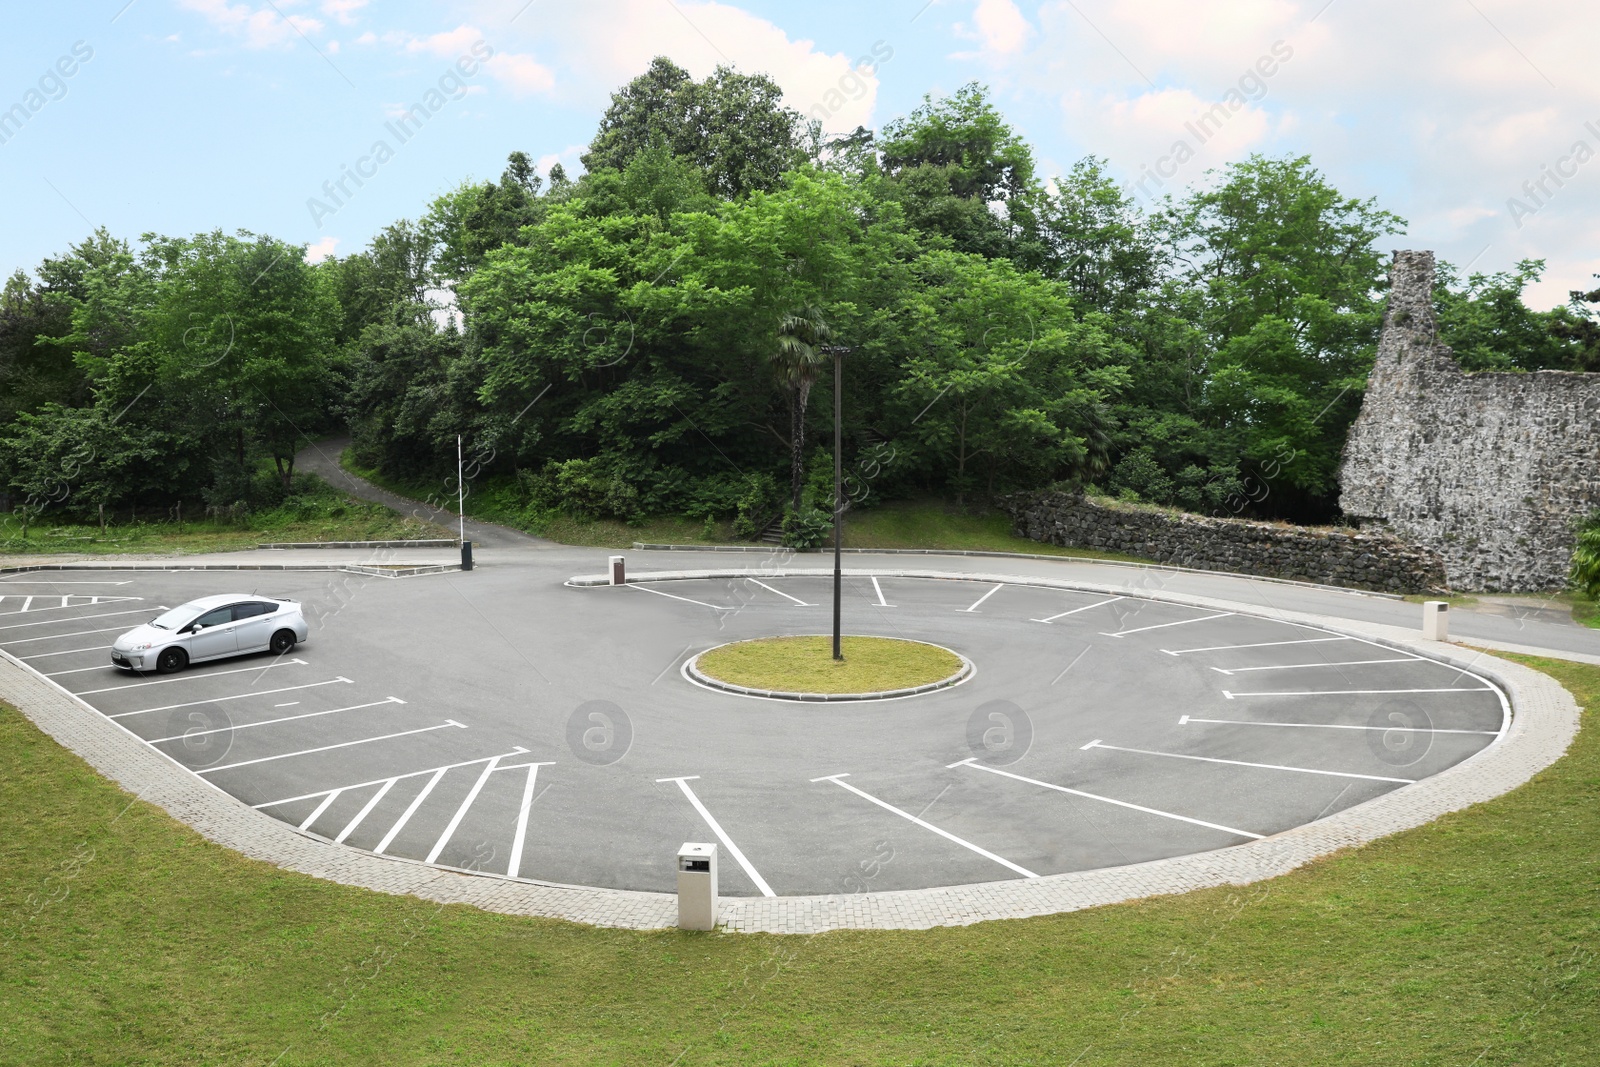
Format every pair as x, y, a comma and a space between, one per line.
215, 617
251, 610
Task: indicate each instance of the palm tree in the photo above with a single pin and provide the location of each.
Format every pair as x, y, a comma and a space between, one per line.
796, 361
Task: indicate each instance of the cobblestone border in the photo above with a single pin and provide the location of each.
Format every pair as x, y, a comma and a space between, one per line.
1544, 722
438, 542
693, 673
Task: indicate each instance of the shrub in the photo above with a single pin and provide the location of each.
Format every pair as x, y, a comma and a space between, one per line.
1586, 558
807, 528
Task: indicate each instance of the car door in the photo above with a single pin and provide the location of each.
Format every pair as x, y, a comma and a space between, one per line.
213, 635
252, 624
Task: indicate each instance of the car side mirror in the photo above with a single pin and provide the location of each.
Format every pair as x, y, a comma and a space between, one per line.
193, 628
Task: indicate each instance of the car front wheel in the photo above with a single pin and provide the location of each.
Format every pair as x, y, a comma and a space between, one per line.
172, 659
282, 642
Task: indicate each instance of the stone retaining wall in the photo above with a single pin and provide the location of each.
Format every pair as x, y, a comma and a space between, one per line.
1350, 558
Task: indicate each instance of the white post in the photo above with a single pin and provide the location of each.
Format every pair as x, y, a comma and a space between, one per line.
697, 887
1435, 620
461, 494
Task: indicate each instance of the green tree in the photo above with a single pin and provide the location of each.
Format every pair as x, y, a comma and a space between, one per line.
796, 360
1488, 326
732, 126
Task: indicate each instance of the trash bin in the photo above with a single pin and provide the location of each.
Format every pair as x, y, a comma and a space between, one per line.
697, 887
1436, 620
466, 555
619, 573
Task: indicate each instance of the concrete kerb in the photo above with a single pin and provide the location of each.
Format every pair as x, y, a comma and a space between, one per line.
386, 570
1544, 721
1132, 565
441, 542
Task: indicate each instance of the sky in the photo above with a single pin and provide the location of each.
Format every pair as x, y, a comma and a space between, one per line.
1477, 121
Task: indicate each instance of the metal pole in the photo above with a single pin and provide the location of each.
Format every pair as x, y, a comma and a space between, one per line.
461, 493
838, 490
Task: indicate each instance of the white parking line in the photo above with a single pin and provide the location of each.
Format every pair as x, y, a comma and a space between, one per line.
876, 588
83, 670
675, 596
947, 835
1187, 719
1261, 766
970, 762
1164, 625
1086, 607
1262, 644
10, 581
236, 696
66, 651
1355, 692
394, 831
379, 781
320, 808
781, 593
514, 868
350, 827
85, 600
986, 596
461, 812
78, 618
271, 722
1303, 666
716, 828
329, 748
190, 677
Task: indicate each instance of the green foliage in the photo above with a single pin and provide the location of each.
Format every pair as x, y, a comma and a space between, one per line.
1586, 558
1486, 324
807, 528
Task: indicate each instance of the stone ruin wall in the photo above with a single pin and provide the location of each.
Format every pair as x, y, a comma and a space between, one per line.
1491, 470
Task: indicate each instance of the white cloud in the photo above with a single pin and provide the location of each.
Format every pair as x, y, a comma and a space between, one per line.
318, 251
1001, 27
520, 73
342, 11
260, 28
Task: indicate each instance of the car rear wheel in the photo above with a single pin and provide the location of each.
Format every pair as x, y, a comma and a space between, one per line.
172, 659
282, 642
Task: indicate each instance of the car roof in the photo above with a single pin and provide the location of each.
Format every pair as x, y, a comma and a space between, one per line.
217, 600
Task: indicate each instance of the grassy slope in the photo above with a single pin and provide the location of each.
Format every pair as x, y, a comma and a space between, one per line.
127, 939
904, 524
323, 514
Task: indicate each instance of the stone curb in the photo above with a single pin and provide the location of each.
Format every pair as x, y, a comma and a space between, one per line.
1544, 722
438, 542
695, 674
388, 570
644, 547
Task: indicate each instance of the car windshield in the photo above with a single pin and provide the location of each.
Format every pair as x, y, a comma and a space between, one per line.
175, 618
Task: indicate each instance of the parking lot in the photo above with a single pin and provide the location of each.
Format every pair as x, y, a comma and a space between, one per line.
501, 721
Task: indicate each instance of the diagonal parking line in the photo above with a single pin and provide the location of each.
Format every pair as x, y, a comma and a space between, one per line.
674, 596
985, 596
380, 781
57, 637
189, 677
447, 724
320, 808
514, 867
1187, 719
971, 762
781, 593
1262, 644
366, 810
1306, 666
1356, 692
236, 696
1164, 625
78, 618
271, 722
416, 802
716, 828
1260, 766
947, 835
461, 812
1086, 607
65, 651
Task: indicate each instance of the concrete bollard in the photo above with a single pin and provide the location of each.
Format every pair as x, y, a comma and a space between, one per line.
1435, 620
697, 887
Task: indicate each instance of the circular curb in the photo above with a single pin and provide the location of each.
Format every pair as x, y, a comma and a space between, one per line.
699, 677
1545, 721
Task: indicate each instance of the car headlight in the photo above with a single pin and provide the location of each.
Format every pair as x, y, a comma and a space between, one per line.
140, 648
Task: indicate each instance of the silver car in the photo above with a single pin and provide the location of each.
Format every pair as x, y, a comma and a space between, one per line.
213, 627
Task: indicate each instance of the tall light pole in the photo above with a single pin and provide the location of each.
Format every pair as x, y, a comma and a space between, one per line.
838, 352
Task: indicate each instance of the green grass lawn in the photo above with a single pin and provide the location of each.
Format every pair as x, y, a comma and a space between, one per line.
128, 939
806, 664
319, 513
